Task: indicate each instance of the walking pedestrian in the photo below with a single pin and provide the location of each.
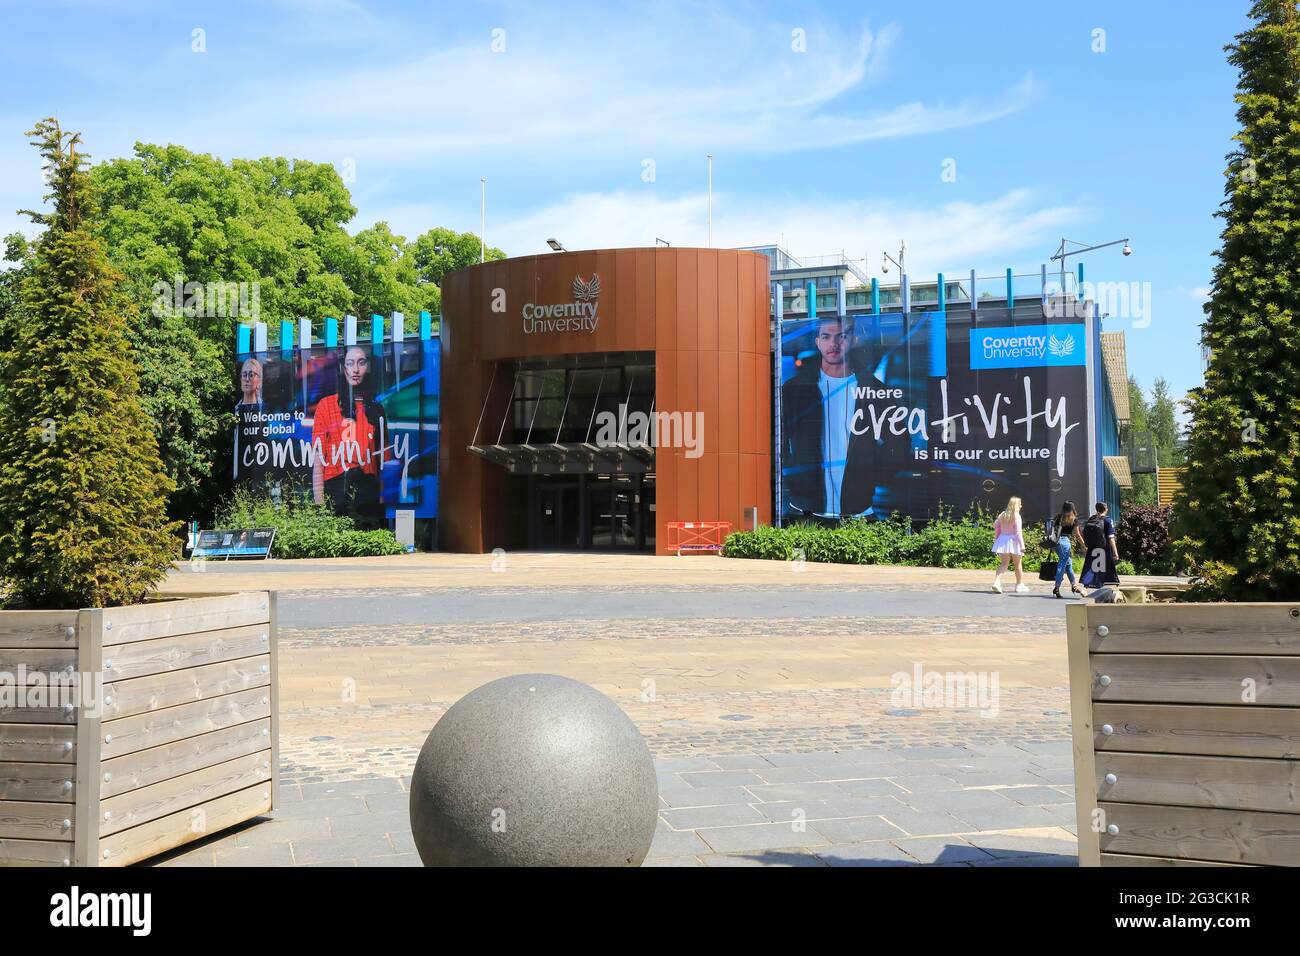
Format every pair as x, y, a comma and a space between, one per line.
1009, 545
1102, 550
1065, 532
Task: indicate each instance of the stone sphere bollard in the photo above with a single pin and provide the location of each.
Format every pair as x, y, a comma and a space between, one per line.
534, 770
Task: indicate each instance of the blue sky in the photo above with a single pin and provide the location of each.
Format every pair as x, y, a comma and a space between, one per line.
838, 146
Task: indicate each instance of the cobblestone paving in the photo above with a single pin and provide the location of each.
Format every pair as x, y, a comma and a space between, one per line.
779, 741
479, 632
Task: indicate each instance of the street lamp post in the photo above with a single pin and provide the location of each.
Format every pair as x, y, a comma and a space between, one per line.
1062, 253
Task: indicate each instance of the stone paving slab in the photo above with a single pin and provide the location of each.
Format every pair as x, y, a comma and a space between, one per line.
815, 823
777, 736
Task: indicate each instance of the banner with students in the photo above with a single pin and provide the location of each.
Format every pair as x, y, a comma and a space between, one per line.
354, 427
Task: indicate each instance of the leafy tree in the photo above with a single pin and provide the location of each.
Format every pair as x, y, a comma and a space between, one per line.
1163, 422
172, 216
1143, 492
82, 490
440, 251
1239, 514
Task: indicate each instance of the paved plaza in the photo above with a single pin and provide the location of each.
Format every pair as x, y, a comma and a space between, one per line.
768, 693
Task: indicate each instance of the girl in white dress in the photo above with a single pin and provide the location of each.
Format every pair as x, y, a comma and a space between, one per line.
1009, 545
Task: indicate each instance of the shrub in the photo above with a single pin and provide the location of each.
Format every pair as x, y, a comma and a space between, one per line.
1144, 535
304, 529
943, 542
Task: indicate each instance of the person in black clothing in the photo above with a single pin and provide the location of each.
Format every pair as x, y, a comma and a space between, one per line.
1102, 551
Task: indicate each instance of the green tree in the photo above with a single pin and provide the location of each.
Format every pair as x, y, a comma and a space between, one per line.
1163, 423
82, 490
440, 251
1239, 515
1137, 430
172, 217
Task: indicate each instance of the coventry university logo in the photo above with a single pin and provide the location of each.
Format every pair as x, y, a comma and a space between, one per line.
1061, 347
1028, 346
578, 316
586, 291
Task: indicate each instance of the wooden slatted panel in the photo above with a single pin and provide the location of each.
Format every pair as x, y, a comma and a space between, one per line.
1223, 731
158, 727
188, 790
1241, 783
1120, 859
143, 694
1198, 833
1267, 629
42, 782
32, 629
166, 833
35, 853
38, 743
142, 658
38, 715
38, 662
147, 767
1196, 678
144, 622
26, 820
1081, 732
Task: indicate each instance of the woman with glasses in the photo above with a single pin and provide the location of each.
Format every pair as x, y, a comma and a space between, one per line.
248, 423
347, 434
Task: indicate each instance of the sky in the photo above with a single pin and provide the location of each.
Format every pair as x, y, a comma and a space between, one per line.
981, 134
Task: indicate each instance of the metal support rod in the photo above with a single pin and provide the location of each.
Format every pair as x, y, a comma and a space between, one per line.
565, 410
509, 406
596, 402
486, 398
537, 407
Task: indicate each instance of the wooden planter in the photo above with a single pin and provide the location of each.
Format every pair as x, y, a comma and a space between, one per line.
1186, 725
183, 741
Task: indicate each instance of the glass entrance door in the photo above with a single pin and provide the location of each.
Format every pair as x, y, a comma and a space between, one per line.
556, 516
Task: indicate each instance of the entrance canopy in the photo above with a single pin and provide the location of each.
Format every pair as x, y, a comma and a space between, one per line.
570, 458
568, 415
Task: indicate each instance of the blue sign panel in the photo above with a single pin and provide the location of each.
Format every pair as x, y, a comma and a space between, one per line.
1028, 346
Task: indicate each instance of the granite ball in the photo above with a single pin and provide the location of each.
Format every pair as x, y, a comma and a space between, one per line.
534, 770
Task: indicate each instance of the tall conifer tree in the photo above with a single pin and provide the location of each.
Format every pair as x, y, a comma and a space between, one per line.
1240, 510
82, 491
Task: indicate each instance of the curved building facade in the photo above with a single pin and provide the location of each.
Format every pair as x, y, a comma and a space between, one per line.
589, 398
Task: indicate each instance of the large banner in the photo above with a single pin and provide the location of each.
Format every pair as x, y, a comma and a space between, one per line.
355, 427
879, 415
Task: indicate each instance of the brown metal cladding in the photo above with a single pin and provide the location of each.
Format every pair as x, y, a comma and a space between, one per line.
705, 315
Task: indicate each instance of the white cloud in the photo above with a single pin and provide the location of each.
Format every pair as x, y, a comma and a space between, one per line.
715, 83
1014, 229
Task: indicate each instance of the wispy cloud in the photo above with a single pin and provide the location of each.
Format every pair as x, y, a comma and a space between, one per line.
539, 89
988, 236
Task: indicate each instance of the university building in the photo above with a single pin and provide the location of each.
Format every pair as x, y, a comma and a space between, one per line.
586, 400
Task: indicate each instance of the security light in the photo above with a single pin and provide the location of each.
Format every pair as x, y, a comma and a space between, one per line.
555, 245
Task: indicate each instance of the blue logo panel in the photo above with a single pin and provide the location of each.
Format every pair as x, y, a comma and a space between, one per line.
1028, 346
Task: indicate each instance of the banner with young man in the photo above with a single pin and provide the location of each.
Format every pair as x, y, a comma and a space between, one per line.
880, 414
353, 427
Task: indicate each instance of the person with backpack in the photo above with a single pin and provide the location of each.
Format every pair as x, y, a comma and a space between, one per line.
1063, 535
1102, 552
1009, 545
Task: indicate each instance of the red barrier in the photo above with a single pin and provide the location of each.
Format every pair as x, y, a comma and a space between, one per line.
697, 535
